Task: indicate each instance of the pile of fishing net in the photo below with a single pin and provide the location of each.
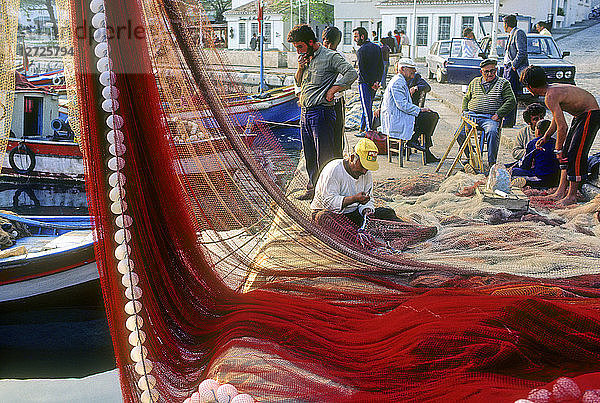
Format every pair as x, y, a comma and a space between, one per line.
10, 231
417, 185
477, 235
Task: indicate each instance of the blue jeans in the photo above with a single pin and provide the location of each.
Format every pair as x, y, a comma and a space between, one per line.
490, 136
366, 100
317, 133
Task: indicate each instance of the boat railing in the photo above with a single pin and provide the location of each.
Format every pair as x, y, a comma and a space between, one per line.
38, 225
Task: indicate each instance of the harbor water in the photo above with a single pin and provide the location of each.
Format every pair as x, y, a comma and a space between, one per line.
67, 339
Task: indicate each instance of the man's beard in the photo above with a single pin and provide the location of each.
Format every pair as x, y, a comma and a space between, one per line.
310, 51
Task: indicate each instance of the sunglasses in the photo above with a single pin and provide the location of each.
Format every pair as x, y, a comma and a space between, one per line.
492, 71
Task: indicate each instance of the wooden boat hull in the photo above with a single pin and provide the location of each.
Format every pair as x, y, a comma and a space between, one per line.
28, 198
43, 160
47, 274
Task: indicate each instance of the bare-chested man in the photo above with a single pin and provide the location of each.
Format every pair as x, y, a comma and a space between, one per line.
571, 148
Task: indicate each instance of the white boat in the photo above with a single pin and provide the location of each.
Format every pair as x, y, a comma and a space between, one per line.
41, 144
55, 260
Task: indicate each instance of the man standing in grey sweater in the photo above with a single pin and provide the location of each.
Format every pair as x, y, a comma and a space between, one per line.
317, 77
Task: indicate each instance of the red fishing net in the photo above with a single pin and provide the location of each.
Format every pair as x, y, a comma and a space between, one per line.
210, 270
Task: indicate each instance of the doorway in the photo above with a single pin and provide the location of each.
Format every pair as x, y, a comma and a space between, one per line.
33, 117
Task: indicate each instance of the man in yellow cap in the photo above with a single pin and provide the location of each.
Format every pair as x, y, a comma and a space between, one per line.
345, 186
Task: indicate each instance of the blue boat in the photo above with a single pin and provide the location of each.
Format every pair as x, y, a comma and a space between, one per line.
55, 259
279, 109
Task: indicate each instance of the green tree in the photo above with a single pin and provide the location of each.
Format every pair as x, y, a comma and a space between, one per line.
47, 5
218, 7
319, 10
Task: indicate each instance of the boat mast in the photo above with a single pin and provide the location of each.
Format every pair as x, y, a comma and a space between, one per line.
495, 20
262, 43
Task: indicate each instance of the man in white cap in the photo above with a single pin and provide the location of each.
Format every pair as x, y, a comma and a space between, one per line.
400, 118
488, 99
345, 186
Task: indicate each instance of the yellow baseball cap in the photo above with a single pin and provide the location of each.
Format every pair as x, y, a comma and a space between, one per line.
367, 152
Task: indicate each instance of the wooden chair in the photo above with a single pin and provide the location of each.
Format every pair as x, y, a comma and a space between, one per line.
398, 147
474, 154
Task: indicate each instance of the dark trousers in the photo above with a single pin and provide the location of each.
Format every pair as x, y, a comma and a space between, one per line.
425, 123
577, 145
338, 129
543, 181
386, 66
513, 77
316, 128
367, 93
381, 213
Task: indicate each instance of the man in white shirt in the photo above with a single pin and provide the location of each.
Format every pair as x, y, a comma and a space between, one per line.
345, 186
542, 28
470, 48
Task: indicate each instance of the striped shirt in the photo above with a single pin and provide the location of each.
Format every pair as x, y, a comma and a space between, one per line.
499, 99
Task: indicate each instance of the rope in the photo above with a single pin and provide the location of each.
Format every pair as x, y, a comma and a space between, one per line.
278, 123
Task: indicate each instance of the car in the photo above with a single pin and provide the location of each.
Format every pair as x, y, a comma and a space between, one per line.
542, 51
454, 60
457, 60
437, 58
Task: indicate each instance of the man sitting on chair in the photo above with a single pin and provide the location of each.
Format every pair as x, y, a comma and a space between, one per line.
488, 99
400, 118
418, 88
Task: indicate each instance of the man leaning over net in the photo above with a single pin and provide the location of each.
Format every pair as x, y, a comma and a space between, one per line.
345, 186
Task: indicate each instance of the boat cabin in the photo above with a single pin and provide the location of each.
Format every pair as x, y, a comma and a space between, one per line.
33, 113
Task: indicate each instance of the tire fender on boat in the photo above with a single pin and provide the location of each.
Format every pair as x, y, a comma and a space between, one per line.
22, 149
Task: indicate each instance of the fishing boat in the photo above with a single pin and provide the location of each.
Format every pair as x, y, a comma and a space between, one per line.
276, 106
41, 144
53, 79
54, 263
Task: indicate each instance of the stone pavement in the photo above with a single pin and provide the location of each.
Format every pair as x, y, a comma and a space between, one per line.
561, 33
585, 54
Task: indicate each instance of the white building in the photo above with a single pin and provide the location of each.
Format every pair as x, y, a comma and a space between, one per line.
562, 13
242, 23
34, 17
574, 11
443, 19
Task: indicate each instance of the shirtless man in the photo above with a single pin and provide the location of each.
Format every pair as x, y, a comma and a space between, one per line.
571, 148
